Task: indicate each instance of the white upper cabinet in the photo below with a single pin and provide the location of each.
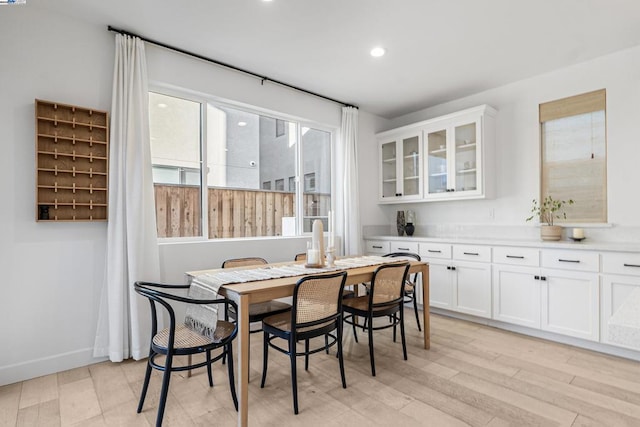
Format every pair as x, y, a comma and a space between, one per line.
458, 150
457, 160
400, 166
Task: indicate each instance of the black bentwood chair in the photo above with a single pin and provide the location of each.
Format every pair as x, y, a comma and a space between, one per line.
257, 311
316, 312
201, 332
411, 283
385, 299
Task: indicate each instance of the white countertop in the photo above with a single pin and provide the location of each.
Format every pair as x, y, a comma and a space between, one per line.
561, 244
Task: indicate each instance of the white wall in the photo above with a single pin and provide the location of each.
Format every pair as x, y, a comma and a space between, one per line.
51, 273
517, 146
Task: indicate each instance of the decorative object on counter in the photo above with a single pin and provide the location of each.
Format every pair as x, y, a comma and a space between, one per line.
400, 223
577, 234
409, 229
547, 211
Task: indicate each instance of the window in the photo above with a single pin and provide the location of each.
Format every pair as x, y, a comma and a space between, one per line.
574, 155
245, 155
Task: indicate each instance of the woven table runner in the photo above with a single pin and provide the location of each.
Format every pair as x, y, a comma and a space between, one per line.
227, 277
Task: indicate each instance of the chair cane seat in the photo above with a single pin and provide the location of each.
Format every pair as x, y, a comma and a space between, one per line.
187, 338
360, 304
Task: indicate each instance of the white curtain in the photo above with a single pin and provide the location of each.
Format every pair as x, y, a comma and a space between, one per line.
124, 322
350, 194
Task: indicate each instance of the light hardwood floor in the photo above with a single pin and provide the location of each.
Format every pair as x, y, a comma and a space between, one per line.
473, 375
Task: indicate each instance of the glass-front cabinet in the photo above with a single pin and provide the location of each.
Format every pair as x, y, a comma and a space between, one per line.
458, 149
454, 163
401, 176
445, 158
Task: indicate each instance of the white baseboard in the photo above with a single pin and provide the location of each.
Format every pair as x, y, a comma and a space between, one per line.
47, 365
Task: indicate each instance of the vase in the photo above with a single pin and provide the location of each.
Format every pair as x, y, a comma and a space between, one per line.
550, 232
400, 223
409, 229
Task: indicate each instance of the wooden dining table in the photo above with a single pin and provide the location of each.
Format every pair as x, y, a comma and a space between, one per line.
248, 293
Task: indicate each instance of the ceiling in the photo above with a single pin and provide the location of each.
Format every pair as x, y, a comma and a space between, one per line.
437, 50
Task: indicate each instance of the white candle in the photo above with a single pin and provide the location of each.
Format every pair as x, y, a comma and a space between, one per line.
578, 233
313, 257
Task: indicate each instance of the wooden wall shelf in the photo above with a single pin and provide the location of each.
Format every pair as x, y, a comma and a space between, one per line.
72, 149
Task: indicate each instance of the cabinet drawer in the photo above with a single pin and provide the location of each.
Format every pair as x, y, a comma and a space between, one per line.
404, 247
571, 260
376, 247
435, 250
621, 263
516, 256
472, 253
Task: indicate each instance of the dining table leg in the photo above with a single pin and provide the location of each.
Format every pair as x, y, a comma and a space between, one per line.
425, 306
243, 360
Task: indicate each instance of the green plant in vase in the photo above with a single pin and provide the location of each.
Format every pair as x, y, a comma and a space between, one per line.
548, 211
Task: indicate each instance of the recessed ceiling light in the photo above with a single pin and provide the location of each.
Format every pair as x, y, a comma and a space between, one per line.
242, 124
377, 52
162, 105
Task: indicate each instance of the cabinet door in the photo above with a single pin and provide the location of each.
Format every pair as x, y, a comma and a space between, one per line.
466, 167
440, 283
570, 302
388, 170
473, 288
516, 295
437, 161
619, 319
411, 185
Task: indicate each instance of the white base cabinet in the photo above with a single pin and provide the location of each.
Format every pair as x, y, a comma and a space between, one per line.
459, 285
570, 302
516, 295
581, 293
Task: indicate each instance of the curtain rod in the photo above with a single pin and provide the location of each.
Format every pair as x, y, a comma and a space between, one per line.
229, 66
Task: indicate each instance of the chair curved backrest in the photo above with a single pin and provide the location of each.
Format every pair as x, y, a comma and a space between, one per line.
387, 285
243, 262
301, 257
317, 300
408, 256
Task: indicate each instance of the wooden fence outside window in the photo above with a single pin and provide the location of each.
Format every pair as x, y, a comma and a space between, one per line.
232, 212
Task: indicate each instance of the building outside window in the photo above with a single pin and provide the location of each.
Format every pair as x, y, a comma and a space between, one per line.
244, 153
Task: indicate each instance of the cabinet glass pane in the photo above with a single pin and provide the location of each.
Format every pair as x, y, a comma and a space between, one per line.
411, 166
437, 161
389, 177
465, 164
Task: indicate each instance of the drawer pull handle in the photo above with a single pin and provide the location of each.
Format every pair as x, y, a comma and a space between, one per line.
569, 260
515, 256
631, 265
377, 247
403, 249
434, 251
471, 253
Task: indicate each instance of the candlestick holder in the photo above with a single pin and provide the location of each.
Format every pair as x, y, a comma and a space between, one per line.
331, 257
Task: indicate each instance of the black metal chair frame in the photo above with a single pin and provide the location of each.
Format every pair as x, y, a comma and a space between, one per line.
294, 336
410, 298
392, 309
159, 296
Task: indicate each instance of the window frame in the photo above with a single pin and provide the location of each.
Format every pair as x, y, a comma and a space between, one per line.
204, 100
